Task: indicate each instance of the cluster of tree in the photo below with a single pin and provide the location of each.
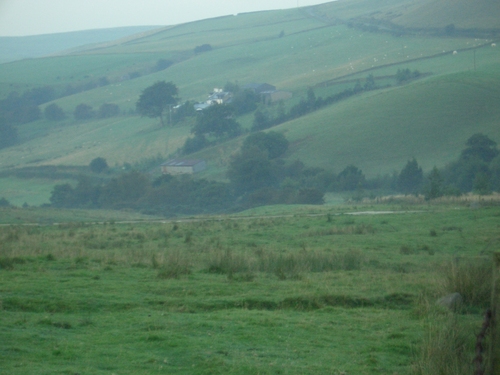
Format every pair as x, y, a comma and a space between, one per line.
163, 64
8, 134
256, 177
21, 109
202, 48
476, 170
404, 75
243, 100
167, 195
218, 122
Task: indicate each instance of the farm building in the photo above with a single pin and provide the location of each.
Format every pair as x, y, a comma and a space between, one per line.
180, 166
275, 96
218, 96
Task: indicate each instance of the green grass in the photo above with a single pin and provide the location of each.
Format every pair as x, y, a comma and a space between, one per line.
34, 192
48, 216
273, 295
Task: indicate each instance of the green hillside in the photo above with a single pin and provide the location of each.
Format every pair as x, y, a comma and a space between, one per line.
463, 14
378, 131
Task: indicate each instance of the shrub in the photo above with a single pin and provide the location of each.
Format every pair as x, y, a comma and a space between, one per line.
203, 48
83, 112
98, 165
4, 202
447, 349
174, 266
54, 113
472, 279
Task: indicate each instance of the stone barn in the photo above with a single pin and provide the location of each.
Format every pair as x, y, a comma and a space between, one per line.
182, 166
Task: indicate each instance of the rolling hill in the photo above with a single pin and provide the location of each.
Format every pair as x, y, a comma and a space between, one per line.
378, 131
28, 47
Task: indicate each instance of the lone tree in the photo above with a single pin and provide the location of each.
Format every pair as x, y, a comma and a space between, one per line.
411, 177
98, 165
481, 147
156, 98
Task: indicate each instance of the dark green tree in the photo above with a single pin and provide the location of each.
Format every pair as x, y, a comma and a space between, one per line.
411, 178
83, 112
481, 183
218, 121
8, 134
495, 174
434, 186
251, 170
351, 178
163, 64
481, 147
62, 196
98, 165
124, 190
369, 83
261, 120
245, 101
194, 144
54, 113
274, 143
4, 203
310, 196
157, 98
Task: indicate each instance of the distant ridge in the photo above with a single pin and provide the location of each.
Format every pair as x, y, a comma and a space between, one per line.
416, 14
24, 47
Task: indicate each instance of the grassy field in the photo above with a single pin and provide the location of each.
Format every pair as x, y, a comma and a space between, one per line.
330, 293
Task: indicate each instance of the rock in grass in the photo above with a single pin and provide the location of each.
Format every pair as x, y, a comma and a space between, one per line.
452, 301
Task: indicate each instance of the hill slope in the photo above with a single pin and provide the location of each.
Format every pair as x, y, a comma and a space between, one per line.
293, 50
464, 14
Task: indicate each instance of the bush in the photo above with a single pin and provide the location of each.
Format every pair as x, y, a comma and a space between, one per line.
98, 165
163, 64
194, 144
174, 266
447, 349
203, 48
8, 134
83, 112
54, 113
472, 279
4, 202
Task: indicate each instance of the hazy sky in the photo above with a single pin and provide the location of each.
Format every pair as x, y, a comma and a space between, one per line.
31, 17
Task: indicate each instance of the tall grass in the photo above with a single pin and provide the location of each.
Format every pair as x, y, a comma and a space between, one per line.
447, 348
471, 278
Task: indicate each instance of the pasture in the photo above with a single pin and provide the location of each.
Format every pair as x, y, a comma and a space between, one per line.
316, 290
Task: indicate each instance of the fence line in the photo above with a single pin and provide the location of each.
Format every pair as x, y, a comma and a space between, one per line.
493, 359
478, 360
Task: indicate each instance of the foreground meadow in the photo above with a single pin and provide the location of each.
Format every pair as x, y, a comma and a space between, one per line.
322, 293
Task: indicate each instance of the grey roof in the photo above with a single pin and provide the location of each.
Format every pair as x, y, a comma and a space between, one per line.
182, 163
